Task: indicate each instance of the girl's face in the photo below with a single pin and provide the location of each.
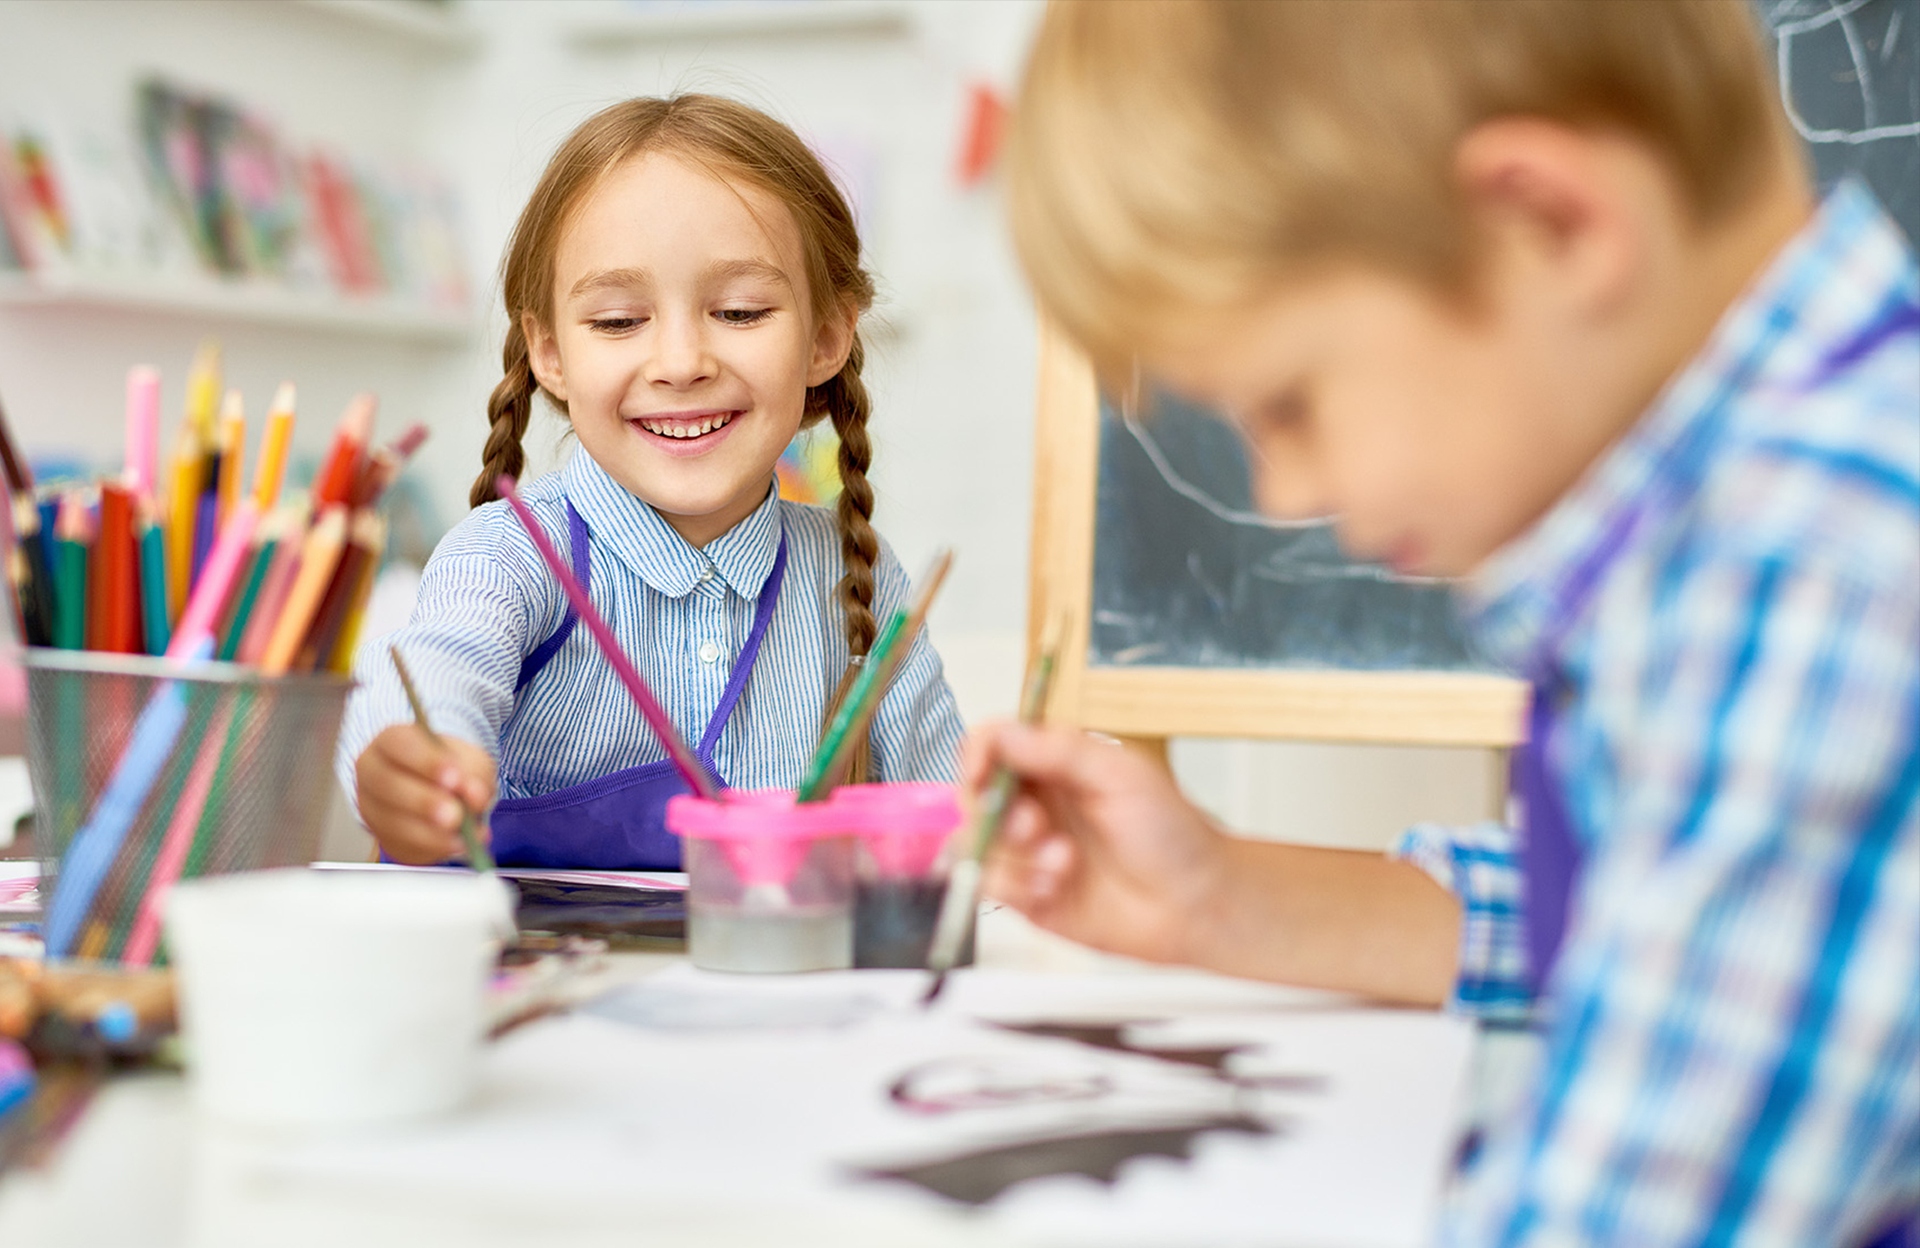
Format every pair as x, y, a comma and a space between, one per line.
682, 340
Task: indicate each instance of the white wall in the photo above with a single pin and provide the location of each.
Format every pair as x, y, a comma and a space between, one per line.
953, 378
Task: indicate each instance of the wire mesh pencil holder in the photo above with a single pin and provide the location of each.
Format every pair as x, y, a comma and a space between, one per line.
161, 773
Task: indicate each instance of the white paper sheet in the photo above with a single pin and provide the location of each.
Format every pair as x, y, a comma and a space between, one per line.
691, 1091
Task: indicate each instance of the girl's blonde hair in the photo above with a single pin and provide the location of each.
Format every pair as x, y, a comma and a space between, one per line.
1170, 158
734, 142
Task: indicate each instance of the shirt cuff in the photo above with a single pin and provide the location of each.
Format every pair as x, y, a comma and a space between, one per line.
1479, 864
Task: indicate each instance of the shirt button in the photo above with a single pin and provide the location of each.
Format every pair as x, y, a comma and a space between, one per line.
708, 652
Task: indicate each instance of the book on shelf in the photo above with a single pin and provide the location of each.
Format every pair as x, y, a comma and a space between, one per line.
202, 188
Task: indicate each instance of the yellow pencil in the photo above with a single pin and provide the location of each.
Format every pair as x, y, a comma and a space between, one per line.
183, 506
273, 448
317, 559
203, 391
233, 449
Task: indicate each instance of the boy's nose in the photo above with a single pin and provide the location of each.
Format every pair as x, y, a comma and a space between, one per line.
680, 356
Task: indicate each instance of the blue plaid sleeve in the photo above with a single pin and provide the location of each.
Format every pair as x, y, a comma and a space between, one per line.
1479, 865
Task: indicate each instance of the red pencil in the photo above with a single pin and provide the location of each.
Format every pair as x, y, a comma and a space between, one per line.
113, 577
341, 469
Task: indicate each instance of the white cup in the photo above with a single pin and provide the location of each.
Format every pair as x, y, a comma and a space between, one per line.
334, 998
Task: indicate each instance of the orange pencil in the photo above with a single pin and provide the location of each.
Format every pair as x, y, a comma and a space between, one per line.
113, 576
366, 536
318, 556
335, 481
273, 448
233, 448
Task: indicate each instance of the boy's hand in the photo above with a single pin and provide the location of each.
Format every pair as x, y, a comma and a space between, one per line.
1099, 845
414, 793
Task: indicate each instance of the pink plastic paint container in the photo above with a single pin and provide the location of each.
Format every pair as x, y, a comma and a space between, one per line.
769, 883
902, 832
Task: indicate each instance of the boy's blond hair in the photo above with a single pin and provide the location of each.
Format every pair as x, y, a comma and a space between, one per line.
1172, 157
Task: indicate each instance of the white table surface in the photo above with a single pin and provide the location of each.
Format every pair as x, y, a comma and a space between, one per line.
139, 1170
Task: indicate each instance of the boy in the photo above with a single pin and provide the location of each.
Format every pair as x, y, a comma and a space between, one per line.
1537, 294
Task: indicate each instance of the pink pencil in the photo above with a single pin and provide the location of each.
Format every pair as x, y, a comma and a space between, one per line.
697, 776
145, 937
143, 431
197, 622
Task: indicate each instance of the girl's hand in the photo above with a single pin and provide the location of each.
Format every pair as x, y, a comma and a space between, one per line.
414, 793
1099, 845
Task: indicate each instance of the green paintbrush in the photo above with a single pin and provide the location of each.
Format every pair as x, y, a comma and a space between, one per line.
477, 856
850, 722
962, 900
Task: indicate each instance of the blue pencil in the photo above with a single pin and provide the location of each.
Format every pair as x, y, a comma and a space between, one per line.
91, 855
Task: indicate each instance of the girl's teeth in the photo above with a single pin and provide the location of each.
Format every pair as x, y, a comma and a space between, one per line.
694, 430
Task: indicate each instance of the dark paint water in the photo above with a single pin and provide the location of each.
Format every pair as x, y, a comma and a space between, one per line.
893, 922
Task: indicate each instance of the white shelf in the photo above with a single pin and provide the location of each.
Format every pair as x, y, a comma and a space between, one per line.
438, 29
739, 19
252, 304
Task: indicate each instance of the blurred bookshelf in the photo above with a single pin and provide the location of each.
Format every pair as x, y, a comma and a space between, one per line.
237, 302
659, 20
431, 25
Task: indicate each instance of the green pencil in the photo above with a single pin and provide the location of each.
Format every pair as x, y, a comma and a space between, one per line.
243, 606
478, 856
962, 900
850, 721
153, 588
70, 577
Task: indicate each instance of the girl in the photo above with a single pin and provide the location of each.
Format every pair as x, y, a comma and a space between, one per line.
684, 286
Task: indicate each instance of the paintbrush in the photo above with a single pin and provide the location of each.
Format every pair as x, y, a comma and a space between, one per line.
958, 908
857, 709
698, 777
478, 856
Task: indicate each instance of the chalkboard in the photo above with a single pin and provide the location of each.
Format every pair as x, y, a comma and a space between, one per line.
1849, 74
1185, 574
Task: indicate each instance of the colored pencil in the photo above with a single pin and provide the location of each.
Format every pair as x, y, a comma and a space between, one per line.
203, 392
697, 776
318, 557
206, 521
210, 592
340, 661
851, 721
31, 572
174, 844
281, 574
478, 855
272, 467
341, 468
70, 575
143, 431
19, 475
94, 848
183, 512
233, 448
383, 466
271, 532
156, 628
113, 576
366, 536
960, 906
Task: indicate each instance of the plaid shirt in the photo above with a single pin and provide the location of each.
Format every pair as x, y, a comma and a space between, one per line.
1732, 597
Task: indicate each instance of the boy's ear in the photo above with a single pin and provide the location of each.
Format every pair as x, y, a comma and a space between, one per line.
543, 353
1577, 205
832, 342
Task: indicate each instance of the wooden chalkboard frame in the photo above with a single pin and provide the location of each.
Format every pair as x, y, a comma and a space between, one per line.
1152, 704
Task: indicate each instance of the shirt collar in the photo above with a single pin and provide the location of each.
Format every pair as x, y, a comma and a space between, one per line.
1821, 290
636, 535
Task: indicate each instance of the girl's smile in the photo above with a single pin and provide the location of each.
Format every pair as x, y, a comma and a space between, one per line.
683, 341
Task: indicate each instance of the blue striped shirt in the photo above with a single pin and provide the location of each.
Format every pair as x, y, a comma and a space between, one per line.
1732, 594
682, 614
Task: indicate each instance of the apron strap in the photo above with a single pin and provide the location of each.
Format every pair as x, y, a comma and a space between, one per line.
1549, 854
583, 568
743, 669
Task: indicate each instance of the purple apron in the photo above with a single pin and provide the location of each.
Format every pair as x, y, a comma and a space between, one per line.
617, 822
